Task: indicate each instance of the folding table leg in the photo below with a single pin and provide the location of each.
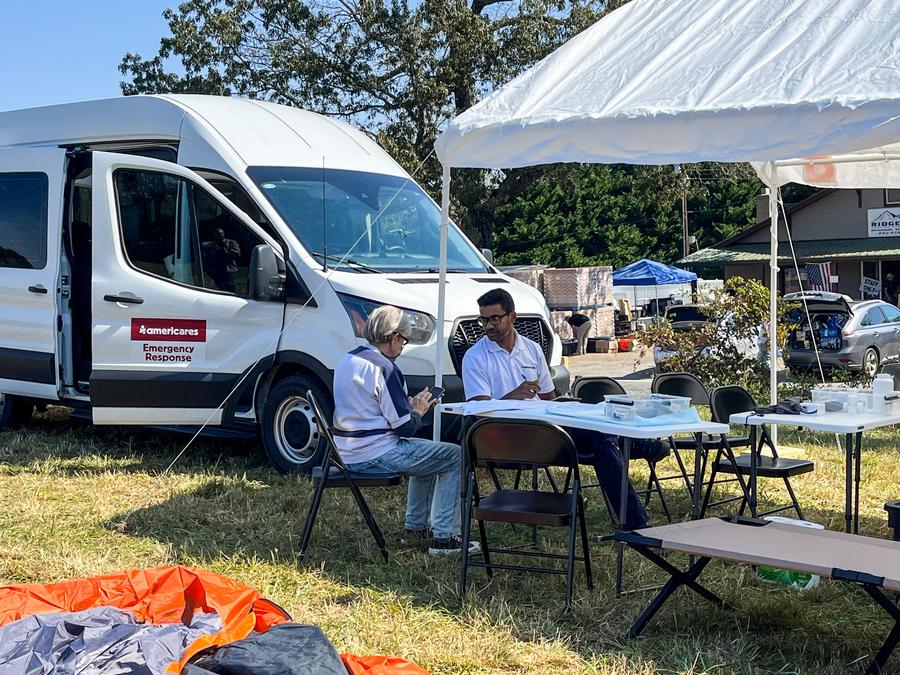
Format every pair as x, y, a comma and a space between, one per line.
698, 476
623, 505
857, 451
848, 484
678, 578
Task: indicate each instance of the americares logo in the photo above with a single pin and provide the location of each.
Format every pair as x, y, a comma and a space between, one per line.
168, 330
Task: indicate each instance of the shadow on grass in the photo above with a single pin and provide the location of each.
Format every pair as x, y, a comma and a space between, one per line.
74, 446
774, 630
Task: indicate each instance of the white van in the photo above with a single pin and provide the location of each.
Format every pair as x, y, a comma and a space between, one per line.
183, 260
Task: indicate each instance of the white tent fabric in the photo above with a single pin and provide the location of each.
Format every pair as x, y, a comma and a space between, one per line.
678, 81
806, 90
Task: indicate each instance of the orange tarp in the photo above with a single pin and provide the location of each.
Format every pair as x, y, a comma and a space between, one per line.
157, 596
380, 665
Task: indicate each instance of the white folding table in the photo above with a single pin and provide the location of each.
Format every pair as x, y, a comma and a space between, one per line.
628, 432
852, 425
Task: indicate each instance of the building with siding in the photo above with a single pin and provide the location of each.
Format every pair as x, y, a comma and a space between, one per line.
856, 231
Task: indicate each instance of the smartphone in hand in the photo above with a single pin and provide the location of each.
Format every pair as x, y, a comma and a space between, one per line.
436, 392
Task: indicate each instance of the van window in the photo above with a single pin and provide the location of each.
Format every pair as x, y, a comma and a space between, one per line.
172, 228
23, 220
363, 220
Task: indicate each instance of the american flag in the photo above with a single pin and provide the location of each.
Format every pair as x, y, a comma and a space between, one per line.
819, 277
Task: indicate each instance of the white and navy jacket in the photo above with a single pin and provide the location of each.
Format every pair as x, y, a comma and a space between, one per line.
371, 406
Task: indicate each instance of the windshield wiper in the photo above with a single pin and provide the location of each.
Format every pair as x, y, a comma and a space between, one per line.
350, 262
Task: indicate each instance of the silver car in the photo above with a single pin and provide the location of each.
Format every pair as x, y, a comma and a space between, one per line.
856, 334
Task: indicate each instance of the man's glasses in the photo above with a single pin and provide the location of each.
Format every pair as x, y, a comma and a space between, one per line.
492, 320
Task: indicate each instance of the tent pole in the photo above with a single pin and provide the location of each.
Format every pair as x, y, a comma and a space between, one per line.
656, 295
440, 343
773, 294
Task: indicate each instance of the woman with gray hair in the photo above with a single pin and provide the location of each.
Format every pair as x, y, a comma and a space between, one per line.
374, 421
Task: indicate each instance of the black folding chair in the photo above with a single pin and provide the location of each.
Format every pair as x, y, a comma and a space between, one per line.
595, 390
686, 384
333, 473
527, 444
724, 402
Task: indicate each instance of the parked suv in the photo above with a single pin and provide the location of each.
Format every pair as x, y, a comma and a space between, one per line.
856, 334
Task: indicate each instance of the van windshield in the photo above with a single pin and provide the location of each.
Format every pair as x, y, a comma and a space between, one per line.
364, 222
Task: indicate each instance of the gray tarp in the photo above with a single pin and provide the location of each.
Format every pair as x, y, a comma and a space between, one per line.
103, 640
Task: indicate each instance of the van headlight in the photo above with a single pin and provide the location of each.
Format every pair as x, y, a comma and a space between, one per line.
359, 309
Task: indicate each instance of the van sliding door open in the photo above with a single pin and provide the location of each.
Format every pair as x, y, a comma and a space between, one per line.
179, 317
31, 184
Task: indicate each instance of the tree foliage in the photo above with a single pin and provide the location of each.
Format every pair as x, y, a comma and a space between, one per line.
397, 68
717, 352
400, 69
571, 215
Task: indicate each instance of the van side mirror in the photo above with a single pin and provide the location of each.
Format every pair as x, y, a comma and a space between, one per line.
488, 255
267, 277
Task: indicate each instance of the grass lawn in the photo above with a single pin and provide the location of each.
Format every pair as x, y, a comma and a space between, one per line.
77, 500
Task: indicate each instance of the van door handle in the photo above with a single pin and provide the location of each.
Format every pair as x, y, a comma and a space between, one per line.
127, 299
37, 289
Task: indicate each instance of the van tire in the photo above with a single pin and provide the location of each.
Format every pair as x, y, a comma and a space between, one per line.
288, 430
14, 411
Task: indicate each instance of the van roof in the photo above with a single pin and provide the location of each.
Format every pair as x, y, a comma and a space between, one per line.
247, 132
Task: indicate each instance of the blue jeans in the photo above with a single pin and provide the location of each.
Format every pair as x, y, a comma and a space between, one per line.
602, 451
433, 472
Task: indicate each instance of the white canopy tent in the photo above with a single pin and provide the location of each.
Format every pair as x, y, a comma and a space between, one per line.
808, 91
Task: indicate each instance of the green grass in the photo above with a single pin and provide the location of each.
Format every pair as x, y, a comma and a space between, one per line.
77, 500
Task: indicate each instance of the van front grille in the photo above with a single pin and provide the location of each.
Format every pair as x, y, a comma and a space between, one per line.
469, 331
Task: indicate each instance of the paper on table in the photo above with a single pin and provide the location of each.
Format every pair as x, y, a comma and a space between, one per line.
495, 405
598, 412
584, 410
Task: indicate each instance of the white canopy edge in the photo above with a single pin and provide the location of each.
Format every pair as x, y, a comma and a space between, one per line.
681, 81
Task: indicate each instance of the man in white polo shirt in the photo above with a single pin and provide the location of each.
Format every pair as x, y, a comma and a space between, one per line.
506, 365
374, 421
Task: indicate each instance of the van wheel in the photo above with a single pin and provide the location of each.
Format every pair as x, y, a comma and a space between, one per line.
14, 411
289, 434
870, 363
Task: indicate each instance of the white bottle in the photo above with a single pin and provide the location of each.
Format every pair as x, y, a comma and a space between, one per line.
882, 386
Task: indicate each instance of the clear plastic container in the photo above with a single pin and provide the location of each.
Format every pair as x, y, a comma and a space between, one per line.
626, 408
674, 403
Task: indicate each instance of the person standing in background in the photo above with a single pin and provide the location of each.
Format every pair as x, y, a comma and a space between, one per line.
581, 327
889, 289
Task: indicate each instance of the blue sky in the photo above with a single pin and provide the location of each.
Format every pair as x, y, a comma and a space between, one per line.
58, 51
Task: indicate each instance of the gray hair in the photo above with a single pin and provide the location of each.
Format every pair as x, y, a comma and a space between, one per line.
384, 322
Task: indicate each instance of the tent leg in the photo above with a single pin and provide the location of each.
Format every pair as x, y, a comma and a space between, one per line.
440, 342
773, 300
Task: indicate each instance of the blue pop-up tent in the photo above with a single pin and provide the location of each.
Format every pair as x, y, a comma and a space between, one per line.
650, 273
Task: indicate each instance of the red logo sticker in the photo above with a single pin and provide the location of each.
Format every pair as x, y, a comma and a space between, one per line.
168, 330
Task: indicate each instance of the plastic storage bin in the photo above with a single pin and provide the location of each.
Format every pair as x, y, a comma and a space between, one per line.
626, 408
674, 403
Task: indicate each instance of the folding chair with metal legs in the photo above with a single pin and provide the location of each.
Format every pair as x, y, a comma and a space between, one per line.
333, 473
528, 444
